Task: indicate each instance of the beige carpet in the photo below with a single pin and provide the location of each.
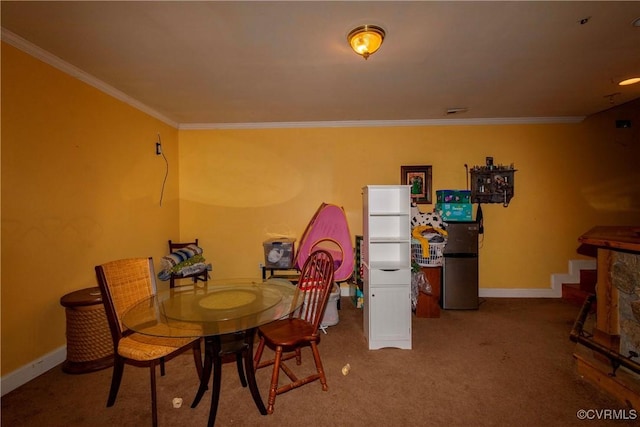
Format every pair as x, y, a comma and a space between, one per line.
508, 364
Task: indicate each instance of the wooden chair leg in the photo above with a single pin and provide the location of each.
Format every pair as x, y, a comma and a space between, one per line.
258, 355
154, 402
116, 379
273, 388
162, 366
319, 367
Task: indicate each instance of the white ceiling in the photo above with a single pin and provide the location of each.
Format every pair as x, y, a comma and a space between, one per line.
211, 62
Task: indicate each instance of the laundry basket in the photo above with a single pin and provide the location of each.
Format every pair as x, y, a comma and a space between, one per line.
330, 316
436, 253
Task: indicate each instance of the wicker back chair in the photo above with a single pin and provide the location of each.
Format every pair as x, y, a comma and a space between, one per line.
124, 283
288, 336
202, 276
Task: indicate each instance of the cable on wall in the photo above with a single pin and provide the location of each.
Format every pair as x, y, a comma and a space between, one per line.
160, 151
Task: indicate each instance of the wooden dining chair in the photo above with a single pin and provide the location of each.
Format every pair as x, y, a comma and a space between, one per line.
200, 276
300, 329
124, 283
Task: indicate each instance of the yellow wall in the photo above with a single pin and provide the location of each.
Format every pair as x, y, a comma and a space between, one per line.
80, 186
240, 187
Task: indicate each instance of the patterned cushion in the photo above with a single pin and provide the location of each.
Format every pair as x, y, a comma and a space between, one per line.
180, 255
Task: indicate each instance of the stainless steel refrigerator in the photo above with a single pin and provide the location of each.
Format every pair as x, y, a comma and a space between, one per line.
460, 269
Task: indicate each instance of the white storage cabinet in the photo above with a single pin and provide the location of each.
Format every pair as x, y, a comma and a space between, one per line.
386, 259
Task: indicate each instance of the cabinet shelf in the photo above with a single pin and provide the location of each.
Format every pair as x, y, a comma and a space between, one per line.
389, 213
387, 265
391, 239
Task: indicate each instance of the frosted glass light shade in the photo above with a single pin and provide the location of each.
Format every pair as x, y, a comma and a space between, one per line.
366, 39
630, 81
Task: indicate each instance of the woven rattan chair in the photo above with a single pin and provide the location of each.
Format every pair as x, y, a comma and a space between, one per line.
124, 283
202, 276
288, 336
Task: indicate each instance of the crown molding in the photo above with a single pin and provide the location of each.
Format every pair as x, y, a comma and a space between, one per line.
41, 54
386, 123
48, 58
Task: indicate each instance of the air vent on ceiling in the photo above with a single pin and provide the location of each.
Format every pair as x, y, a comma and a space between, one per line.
456, 110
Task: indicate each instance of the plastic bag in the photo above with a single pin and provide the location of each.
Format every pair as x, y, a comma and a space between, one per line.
419, 283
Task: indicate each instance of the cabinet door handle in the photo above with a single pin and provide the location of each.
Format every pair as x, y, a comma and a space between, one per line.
389, 269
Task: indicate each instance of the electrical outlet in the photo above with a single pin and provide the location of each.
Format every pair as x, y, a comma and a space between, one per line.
158, 149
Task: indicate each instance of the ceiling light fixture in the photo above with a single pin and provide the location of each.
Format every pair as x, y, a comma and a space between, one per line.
629, 81
366, 39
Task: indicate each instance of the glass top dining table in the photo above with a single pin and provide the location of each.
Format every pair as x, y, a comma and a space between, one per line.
221, 309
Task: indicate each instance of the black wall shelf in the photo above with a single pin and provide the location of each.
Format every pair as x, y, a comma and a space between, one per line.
491, 184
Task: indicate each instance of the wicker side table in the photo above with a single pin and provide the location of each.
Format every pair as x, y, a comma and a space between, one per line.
89, 344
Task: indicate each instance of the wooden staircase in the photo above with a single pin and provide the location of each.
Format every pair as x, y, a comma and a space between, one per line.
576, 293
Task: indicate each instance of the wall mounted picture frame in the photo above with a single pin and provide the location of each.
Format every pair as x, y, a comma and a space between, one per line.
419, 178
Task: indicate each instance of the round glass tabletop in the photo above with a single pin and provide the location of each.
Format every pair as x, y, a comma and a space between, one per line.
213, 310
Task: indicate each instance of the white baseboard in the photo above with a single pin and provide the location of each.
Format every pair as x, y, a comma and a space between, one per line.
26, 373
555, 291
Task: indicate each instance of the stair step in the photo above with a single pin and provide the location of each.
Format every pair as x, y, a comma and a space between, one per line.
588, 279
572, 293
